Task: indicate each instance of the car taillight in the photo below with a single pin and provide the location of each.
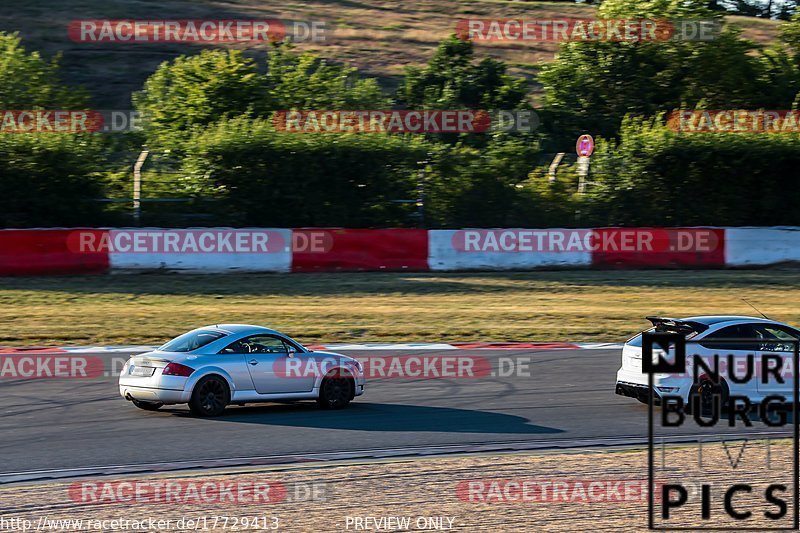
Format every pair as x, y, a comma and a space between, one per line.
177, 369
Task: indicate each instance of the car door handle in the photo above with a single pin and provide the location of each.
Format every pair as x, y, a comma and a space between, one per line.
253, 362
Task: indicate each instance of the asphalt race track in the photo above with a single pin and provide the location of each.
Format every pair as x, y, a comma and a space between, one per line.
567, 396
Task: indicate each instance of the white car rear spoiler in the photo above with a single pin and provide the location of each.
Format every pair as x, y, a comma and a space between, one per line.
676, 324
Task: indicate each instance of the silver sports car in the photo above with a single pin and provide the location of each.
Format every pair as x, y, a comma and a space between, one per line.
214, 366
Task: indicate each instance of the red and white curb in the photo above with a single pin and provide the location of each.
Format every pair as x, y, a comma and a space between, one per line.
341, 346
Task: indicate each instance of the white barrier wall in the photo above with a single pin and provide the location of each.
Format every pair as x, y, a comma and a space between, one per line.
201, 250
761, 246
507, 249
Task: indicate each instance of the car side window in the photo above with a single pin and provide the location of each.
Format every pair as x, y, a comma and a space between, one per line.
257, 344
739, 331
775, 338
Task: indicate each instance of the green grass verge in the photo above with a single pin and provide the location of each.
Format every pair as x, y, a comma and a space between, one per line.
382, 307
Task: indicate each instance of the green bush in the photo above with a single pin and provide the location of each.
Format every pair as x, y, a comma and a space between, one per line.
270, 178
46, 179
654, 176
482, 187
50, 179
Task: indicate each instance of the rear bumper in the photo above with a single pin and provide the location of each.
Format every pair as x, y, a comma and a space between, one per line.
156, 388
638, 391
166, 396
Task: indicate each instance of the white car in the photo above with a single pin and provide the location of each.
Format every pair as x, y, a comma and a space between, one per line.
214, 366
769, 340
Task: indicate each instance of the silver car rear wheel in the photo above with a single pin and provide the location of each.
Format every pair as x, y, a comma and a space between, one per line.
209, 397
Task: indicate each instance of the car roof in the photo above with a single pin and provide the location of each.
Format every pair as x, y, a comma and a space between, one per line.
717, 322
239, 328
710, 320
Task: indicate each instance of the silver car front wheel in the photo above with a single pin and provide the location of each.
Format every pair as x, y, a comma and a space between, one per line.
336, 391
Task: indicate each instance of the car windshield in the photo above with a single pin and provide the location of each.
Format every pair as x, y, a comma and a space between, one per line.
191, 341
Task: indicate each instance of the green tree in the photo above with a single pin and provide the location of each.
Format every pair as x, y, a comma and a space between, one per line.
790, 35
195, 91
781, 63
28, 81
307, 81
192, 92
452, 80
593, 85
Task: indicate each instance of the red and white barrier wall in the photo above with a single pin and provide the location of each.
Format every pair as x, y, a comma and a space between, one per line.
206, 249
761, 246
337, 250
87, 250
506, 249
32, 252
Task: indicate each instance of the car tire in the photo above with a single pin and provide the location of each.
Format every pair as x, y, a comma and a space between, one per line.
705, 390
336, 390
210, 397
147, 406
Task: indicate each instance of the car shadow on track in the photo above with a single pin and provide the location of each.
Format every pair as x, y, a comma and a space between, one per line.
380, 417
